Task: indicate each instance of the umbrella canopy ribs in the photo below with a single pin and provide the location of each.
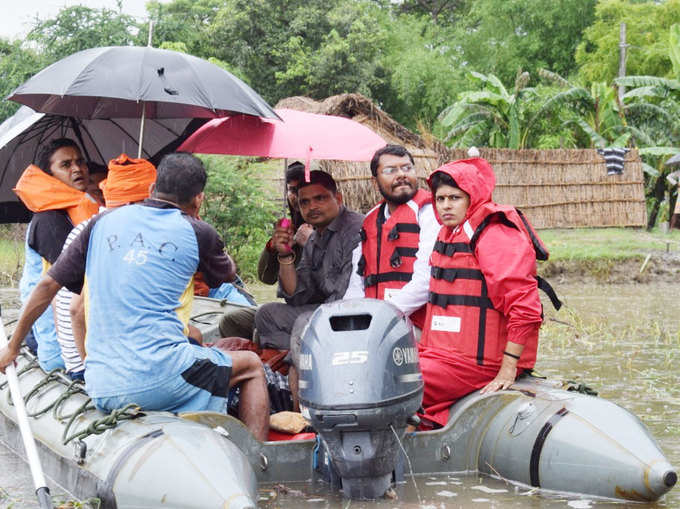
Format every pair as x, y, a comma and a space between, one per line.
124, 81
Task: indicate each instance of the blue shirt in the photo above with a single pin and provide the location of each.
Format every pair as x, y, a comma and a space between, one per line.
135, 265
45, 237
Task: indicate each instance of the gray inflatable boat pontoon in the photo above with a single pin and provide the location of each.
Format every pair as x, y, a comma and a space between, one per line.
535, 434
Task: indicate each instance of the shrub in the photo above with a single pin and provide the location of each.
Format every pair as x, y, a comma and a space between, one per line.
240, 207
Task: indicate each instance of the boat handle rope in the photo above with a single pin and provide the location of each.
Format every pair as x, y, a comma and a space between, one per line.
33, 364
75, 387
195, 318
128, 412
52, 376
85, 407
97, 427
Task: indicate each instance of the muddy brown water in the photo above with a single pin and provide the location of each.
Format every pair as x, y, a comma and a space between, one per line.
622, 340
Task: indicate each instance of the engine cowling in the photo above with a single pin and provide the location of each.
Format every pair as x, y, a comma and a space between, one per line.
359, 384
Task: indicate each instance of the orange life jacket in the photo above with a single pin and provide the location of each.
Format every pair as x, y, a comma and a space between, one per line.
40, 192
460, 316
389, 249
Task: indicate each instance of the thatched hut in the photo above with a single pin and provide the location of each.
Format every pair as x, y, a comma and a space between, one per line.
554, 188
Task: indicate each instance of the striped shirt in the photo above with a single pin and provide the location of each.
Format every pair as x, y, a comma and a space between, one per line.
69, 351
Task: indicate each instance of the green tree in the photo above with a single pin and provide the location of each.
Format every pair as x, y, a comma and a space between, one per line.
647, 26
425, 70
345, 59
594, 111
235, 207
500, 37
77, 28
491, 117
439, 11
18, 62
653, 112
310, 47
184, 22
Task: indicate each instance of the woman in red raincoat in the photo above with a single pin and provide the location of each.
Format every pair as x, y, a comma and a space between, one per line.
484, 312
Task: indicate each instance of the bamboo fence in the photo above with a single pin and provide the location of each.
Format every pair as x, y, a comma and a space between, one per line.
554, 188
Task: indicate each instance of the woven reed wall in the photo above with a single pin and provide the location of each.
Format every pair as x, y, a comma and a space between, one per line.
567, 188
554, 188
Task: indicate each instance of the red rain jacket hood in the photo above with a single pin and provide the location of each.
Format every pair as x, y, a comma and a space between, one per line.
474, 176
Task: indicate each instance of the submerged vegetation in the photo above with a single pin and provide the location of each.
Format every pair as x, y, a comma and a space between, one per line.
630, 337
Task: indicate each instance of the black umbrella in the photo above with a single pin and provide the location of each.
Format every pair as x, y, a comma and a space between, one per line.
131, 81
138, 82
101, 140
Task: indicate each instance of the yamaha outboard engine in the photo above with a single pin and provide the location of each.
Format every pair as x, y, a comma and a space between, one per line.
360, 383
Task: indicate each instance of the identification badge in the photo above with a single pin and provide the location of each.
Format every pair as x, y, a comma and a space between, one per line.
446, 323
390, 293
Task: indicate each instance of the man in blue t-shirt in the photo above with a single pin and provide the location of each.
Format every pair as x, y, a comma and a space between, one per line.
135, 268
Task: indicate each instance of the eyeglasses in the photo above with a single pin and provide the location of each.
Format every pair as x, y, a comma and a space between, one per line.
392, 170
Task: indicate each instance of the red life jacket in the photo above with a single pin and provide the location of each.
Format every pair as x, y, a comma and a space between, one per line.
389, 249
460, 316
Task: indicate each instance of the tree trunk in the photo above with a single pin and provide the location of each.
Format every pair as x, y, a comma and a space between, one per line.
674, 209
659, 191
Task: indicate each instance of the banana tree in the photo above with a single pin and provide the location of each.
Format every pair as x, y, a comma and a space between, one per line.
653, 109
493, 116
595, 112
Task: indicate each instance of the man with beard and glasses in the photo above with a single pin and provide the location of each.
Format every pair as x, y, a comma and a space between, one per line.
398, 234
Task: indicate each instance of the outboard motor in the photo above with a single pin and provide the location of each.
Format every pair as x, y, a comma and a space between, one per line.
360, 383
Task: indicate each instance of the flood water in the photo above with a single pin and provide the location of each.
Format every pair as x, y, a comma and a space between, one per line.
622, 340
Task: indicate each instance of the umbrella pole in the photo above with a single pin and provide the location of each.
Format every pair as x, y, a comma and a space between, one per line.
41, 489
141, 131
284, 206
141, 124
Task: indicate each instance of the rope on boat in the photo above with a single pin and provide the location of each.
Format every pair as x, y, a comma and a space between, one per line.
195, 318
52, 376
75, 387
81, 410
128, 412
32, 364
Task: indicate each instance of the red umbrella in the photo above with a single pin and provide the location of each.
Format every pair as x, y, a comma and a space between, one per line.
301, 135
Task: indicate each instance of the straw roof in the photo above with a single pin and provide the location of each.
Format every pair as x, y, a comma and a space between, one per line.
554, 188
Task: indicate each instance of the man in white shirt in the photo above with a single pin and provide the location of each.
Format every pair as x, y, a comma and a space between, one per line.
392, 260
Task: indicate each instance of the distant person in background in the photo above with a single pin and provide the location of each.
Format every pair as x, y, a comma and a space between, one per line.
98, 172
53, 188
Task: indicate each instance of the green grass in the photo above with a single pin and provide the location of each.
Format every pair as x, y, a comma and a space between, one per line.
611, 244
11, 254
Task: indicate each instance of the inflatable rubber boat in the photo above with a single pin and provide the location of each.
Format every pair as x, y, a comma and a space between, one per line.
360, 387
